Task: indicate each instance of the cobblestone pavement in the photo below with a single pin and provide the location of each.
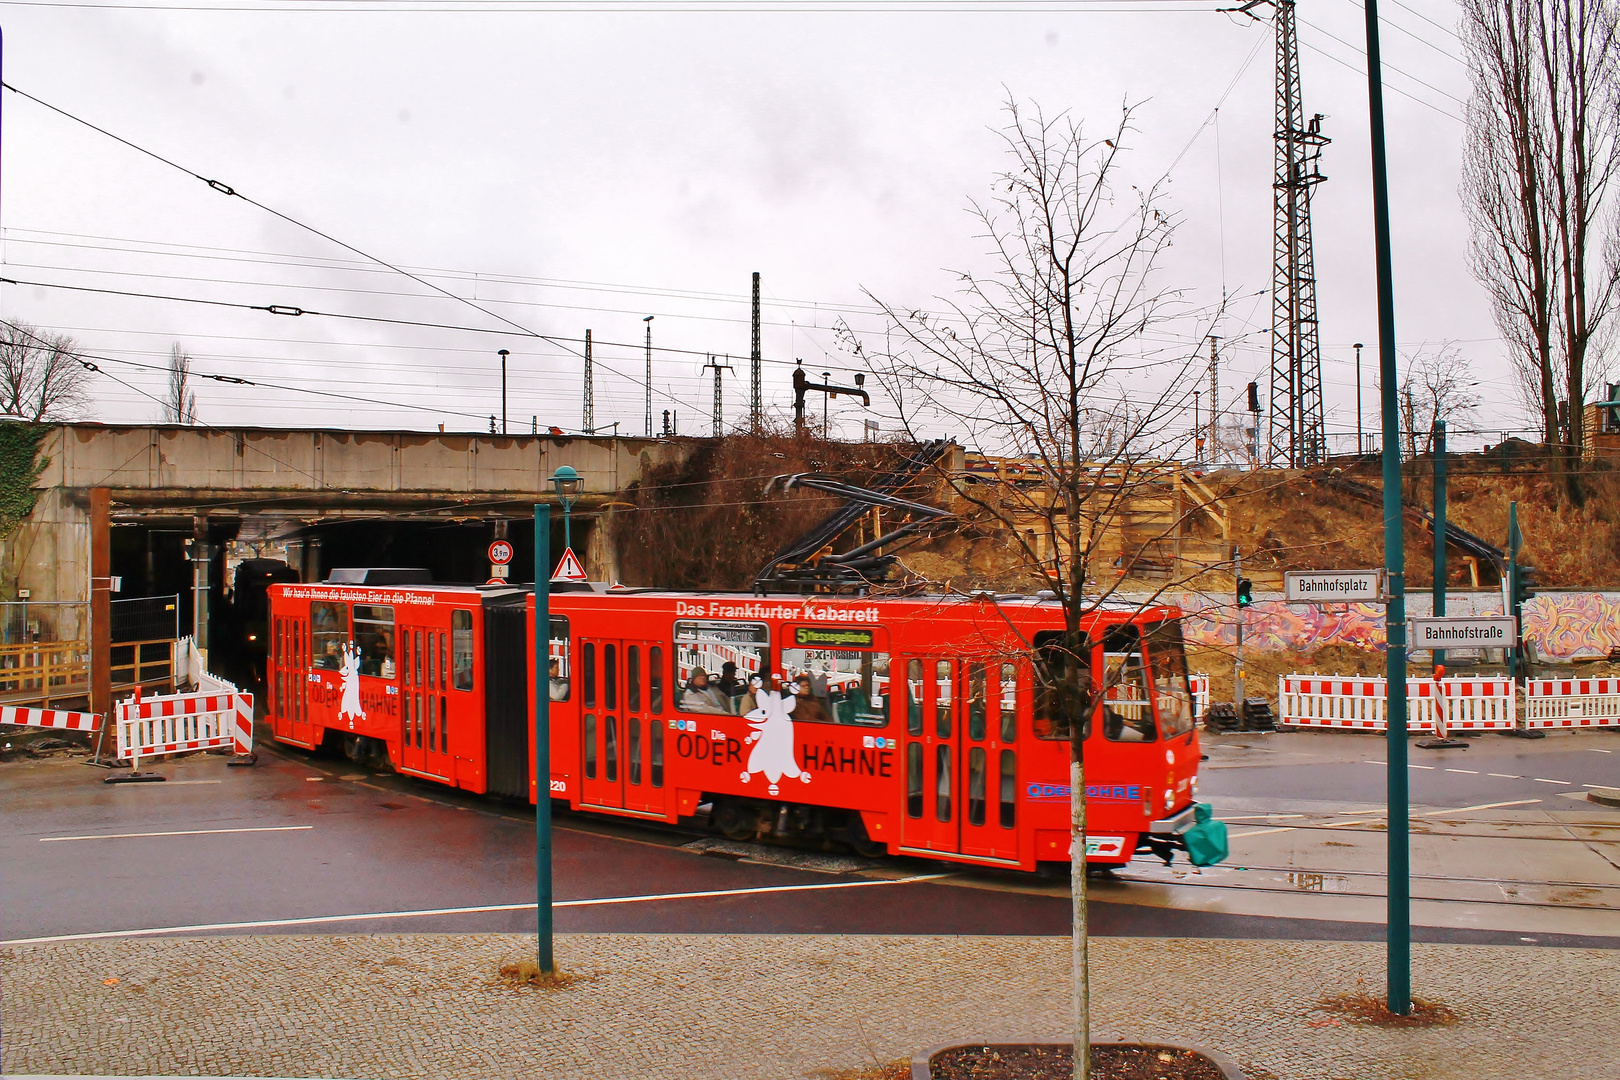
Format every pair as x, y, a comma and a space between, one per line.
691, 1007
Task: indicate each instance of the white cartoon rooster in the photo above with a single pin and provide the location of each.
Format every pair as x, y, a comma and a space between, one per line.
772, 736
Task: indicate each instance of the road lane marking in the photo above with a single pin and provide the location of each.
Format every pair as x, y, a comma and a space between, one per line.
1369, 761
1262, 832
596, 902
177, 832
1470, 772
1268, 817
1504, 776
1429, 767
1481, 806
172, 783
1595, 750
1543, 780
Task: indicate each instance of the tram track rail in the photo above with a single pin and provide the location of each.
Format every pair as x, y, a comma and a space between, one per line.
1298, 890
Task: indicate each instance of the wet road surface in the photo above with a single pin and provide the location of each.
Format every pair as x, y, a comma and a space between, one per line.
302, 844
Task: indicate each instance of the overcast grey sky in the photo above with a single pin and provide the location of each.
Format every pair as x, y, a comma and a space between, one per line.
581, 165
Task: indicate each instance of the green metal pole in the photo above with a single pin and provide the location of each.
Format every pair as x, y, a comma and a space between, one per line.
1399, 881
542, 735
1439, 528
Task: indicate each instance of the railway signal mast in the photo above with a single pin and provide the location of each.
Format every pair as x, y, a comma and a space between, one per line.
1297, 433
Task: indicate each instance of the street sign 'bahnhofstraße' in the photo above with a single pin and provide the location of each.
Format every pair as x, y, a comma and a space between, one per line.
1465, 632
1333, 586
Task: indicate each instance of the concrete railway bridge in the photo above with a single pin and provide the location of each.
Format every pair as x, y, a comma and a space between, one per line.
120, 509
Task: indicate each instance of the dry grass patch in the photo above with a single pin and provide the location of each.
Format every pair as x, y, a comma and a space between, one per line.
528, 973
1362, 1007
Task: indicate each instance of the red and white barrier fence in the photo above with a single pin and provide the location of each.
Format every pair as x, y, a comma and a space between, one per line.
50, 718
1359, 703
1572, 703
1200, 692
178, 723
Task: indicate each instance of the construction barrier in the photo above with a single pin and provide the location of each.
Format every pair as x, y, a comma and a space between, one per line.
178, 723
50, 718
1358, 703
1572, 703
1200, 692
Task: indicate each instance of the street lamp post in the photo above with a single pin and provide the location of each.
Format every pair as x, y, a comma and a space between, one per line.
1360, 449
566, 482
504, 354
1398, 882
648, 320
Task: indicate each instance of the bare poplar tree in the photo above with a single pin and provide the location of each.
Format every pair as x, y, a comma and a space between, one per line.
41, 377
1541, 157
180, 406
1046, 358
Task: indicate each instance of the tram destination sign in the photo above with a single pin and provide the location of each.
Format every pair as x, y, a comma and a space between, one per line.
1334, 586
1464, 632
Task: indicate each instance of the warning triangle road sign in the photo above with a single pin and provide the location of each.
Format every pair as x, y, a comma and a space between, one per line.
569, 569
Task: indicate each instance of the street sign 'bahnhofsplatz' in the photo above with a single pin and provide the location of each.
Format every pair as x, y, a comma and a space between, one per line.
1464, 632
1333, 586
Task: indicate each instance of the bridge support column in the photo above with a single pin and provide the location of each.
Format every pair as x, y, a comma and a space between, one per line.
101, 603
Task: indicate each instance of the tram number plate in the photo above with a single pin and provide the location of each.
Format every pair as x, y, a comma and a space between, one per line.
1106, 847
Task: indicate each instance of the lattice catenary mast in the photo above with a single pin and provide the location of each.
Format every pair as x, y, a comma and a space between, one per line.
1297, 433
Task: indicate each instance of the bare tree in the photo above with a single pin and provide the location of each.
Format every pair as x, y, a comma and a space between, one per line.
1541, 157
180, 406
1436, 387
41, 376
1046, 358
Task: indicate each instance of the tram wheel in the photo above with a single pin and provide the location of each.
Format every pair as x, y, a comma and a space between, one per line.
856, 837
736, 820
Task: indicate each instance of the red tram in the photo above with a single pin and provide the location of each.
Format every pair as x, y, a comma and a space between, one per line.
914, 726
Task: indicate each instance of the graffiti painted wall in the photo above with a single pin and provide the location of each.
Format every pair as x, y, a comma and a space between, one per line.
1564, 626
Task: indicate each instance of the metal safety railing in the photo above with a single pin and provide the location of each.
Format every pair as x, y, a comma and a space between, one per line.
145, 664
44, 671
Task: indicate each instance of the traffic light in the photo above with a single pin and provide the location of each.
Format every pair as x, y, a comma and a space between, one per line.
1524, 586
1245, 592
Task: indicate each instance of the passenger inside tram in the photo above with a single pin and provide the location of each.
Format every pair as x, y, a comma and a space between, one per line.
700, 696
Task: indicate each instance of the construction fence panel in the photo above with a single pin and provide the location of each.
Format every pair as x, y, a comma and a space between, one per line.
1359, 703
179, 723
1200, 691
1572, 703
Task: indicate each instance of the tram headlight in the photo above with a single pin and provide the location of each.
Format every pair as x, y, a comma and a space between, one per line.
1169, 798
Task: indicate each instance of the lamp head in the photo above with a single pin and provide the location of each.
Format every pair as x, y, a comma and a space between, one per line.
566, 482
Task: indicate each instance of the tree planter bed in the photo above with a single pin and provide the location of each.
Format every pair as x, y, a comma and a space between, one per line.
1053, 1059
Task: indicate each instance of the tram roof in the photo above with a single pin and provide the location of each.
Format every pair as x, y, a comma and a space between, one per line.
602, 588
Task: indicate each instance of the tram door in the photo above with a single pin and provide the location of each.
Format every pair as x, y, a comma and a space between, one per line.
290, 654
423, 706
960, 766
621, 735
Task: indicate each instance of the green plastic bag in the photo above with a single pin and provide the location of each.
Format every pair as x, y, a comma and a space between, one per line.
1206, 840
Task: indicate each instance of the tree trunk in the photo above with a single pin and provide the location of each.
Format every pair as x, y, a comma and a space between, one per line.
1077, 889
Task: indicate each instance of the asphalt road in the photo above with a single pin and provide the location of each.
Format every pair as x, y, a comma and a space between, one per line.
1493, 769
298, 845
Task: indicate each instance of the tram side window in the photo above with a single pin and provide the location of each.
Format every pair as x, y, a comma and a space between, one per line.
461, 650
1168, 656
714, 665
329, 631
1127, 712
558, 653
1062, 684
838, 686
374, 639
